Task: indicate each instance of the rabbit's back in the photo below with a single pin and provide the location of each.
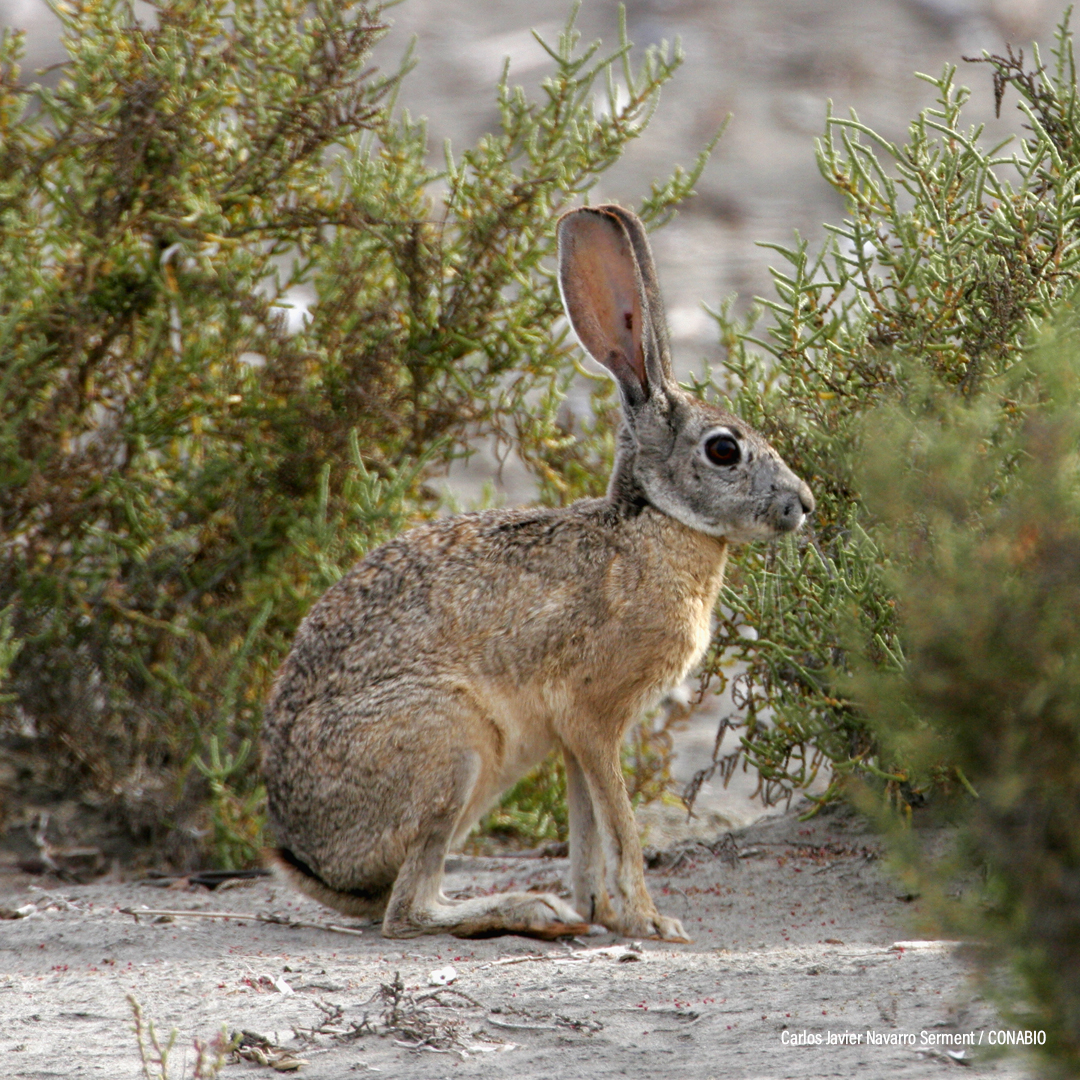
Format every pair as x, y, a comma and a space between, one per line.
498, 594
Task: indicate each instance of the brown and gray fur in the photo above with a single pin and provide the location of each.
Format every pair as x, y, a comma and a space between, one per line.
451, 660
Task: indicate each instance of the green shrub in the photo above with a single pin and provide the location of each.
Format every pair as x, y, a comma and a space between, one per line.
951, 254
983, 528
181, 473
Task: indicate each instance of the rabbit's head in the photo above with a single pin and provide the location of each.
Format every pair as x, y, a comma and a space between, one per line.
689, 459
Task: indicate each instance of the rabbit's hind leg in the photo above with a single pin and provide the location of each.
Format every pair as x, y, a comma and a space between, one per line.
417, 904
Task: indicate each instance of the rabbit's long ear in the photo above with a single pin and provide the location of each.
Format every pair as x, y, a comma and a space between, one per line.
658, 348
609, 290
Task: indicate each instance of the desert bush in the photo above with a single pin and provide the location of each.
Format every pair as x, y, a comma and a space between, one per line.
982, 528
951, 254
183, 471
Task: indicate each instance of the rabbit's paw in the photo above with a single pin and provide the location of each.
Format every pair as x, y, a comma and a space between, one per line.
670, 929
656, 926
546, 916
560, 909
552, 918
538, 915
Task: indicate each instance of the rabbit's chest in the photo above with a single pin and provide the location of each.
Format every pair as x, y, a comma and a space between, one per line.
676, 626
664, 602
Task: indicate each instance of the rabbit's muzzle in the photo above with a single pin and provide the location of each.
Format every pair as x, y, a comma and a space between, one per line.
789, 509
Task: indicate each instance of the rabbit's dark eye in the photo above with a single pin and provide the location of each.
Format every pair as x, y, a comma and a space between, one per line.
722, 450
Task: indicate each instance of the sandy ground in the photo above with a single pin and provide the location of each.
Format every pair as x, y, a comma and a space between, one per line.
799, 933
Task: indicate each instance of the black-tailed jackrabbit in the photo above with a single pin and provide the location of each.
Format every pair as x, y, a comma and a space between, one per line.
454, 658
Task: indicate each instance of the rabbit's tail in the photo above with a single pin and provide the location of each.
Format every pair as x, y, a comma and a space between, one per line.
359, 903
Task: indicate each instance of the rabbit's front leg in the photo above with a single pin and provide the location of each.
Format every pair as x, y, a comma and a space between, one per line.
586, 850
608, 829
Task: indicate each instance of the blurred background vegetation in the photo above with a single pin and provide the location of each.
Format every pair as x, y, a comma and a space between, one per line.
187, 461
981, 532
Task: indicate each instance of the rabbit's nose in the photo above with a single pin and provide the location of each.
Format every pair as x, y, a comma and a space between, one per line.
790, 504
789, 513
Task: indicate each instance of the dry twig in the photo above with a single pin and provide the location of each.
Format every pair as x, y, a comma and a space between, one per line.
264, 917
